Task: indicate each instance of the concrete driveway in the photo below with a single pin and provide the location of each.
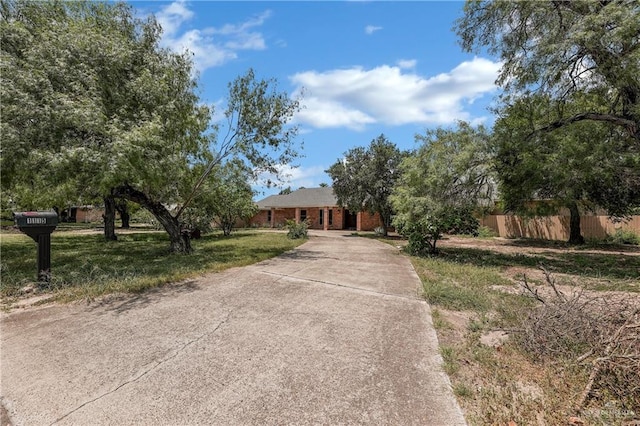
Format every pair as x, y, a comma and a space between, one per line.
333, 332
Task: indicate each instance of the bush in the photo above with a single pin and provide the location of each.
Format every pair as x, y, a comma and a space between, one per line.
422, 235
486, 232
297, 230
624, 236
460, 221
424, 232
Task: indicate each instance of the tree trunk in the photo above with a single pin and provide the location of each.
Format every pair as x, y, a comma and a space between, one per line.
109, 218
575, 236
180, 240
386, 221
122, 208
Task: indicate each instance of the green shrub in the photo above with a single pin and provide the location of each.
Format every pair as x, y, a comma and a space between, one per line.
624, 236
460, 221
297, 230
486, 232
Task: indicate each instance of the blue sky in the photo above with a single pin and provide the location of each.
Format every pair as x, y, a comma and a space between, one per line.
367, 67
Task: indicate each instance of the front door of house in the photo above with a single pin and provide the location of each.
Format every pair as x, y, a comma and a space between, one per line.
350, 220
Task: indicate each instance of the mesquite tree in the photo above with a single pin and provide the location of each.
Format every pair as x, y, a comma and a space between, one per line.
93, 104
586, 166
449, 176
563, 48
365, 178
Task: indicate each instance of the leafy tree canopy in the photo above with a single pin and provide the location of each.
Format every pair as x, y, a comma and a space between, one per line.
92, 102
365, 178
446, 179
564, 48
586, 166
225, 199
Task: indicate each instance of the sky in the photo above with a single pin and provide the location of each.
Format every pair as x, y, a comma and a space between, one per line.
365, 68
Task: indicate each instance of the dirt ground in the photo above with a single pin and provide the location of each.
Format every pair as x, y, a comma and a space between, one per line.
565, 282
570, 271
524, 246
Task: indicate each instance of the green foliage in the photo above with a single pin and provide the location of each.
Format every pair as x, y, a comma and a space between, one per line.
90, 100
297, 230
624, 236
564, 50
486, 232
422, 233
365, 178
588, 163
460, 221
93, 103
225, 199
82, 268
441, 184
570, 113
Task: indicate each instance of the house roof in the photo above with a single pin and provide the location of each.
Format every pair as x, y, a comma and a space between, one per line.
303, 197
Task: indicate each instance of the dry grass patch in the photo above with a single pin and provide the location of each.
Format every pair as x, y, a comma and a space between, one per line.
512, 358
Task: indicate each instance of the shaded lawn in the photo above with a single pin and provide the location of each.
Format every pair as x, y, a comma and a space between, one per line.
87, 266
595, 265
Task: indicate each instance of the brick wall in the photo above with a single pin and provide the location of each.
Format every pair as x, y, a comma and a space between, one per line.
338, 219
368, 221
89, 214
260, 220
279, 216
313, 218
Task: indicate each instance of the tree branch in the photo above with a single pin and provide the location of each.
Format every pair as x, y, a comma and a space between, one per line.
630, 125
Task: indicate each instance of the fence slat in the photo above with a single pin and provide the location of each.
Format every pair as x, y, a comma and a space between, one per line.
556, 227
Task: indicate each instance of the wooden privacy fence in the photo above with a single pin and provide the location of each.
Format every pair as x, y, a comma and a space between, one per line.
556, 227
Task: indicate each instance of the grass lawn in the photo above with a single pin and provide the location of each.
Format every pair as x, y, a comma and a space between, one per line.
85, 266
484, 322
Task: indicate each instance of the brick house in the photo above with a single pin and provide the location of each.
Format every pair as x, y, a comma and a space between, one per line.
319, 206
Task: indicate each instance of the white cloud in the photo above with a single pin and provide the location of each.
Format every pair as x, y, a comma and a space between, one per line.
407, 63
370, 29
356, 97
309, 177
210, 46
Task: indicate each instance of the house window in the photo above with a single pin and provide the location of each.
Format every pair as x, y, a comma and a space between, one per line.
303, 215
330, 217
321, 216
268, 215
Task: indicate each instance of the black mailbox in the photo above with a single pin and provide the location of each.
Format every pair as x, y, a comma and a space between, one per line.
39, 226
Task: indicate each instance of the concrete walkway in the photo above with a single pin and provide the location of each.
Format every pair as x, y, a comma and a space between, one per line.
333, 332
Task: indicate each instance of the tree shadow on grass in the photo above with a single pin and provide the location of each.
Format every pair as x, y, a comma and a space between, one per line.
595, 265
600, 246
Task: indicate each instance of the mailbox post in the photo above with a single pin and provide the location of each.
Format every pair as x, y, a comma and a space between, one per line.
39, 226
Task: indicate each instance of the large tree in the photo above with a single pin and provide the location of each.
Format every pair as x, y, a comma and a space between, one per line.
225, 199
365, 177
587, 166
256, 131
89, 102
564, 48
447, 178
92, 102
